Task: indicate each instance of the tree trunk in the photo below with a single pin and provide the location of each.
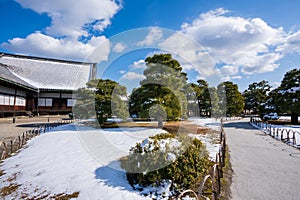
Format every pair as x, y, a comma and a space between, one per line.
199, 106
294, 118
160, 121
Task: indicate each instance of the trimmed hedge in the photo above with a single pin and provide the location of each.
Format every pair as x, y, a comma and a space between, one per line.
179, 158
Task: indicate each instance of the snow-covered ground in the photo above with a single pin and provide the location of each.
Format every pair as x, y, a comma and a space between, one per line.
286, 117
67, 160
211, 123
78, 159
208, 139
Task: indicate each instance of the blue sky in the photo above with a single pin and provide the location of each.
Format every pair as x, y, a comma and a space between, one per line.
241, 41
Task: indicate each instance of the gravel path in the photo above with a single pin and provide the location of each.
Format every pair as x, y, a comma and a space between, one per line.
263, 168
9, 130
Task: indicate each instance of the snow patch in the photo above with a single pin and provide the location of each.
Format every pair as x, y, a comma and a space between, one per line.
67, 160
212, 123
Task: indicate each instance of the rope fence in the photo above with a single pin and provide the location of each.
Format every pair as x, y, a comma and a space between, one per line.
288, 136
10, 147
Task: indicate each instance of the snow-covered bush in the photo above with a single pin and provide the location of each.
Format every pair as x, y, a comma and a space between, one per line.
180, 159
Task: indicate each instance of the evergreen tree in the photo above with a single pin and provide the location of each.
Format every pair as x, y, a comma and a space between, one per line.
101, 98
256, 96
85, 104
214, 103
191, 96
203, 97
230, 98
287, 99
164, 85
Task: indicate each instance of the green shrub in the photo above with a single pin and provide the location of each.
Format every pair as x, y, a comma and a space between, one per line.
178, 158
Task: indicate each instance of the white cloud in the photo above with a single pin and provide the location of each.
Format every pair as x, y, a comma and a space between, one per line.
154, 36
133, 76
246, 45
235, 41
291, 44
190, 54
122, 71
140, 64
74, 30
229, 70
71, 18
213, 13
44, 45
119, 47
236, 77
186, 67
181, 45
230, 78
225, 78
263, 63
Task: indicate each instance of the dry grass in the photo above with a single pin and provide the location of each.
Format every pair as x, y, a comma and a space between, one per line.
227, 177
180, 126
7, 190
44, 195
13, 177
66, 196
121, 124
280, 122
13, 187
170, 126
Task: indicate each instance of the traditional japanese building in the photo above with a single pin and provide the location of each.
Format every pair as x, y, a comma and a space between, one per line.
40, 85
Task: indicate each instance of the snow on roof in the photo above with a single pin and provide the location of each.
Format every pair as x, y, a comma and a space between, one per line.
48, 73
8, 76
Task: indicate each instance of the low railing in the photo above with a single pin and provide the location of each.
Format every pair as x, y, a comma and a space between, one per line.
285, 135
10, 147
211, 181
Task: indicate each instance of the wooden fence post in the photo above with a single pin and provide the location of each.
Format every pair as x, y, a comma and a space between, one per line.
11, 146
294, 137
23, 138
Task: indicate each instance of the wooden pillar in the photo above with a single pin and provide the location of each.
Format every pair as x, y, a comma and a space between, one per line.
15, 101
60, 102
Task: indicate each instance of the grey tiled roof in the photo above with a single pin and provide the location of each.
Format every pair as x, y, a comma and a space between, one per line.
47, 73
8, 76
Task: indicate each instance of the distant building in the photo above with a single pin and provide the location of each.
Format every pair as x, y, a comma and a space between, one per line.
40, 85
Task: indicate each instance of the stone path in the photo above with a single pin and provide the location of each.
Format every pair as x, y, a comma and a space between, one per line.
263, 168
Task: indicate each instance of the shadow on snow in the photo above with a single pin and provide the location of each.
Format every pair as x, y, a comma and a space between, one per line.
113, 176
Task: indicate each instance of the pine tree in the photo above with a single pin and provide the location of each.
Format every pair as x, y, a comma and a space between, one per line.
214, 103
101, 98
203, 97
288, 95
256, 96
230, 98
163, 85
